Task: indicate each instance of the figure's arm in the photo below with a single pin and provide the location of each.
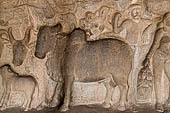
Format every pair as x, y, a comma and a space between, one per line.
116, 28
156, 42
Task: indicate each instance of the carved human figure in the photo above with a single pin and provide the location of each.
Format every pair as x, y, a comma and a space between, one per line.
132, 26
135, 28
98, 23
12, 81
88, 61
160, 50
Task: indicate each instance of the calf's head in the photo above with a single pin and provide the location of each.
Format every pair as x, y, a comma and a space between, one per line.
46, 40
6, 71
19, 47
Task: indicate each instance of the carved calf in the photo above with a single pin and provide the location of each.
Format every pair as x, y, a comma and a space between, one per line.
12, 81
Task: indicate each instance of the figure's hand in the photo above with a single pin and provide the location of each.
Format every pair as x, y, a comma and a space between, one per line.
118, 15
146, 62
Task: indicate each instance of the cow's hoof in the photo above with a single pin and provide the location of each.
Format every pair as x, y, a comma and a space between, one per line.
121, 108
167, 104
64, 108
25, 109
106, 105
159, 108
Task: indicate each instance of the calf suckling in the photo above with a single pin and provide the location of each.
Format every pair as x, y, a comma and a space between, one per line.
13, 82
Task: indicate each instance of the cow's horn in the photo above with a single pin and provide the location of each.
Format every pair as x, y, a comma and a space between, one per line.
11, 37
27, 36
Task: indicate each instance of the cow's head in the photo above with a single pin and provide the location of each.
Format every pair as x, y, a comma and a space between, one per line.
46, 40
19, 47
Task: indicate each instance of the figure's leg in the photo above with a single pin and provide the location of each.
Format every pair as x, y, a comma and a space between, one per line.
134, 76
123, 97
158, 68
109, 92
167, 72
67, 92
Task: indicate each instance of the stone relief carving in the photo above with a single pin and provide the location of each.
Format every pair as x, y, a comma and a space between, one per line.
144, 85
49, 41
98, 23
120, 46
84, 57
23, 86
19, 47
160, 52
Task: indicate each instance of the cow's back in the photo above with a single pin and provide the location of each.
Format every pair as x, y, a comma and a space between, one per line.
96, 60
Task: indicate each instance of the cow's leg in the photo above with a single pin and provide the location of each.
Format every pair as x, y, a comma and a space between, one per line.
109, 90
123, 96
3, 96
28, 100
167, 72
25, 101
67, 93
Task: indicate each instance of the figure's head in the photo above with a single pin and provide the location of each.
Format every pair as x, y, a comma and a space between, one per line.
165, 43
46, 40
166, 20
90, 15
135, 11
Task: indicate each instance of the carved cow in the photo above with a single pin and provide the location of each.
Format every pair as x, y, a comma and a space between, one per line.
12, 81
95, 60
89, 61
49, 41
19, 47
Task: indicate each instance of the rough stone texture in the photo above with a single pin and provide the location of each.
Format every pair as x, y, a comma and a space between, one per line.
61, 54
